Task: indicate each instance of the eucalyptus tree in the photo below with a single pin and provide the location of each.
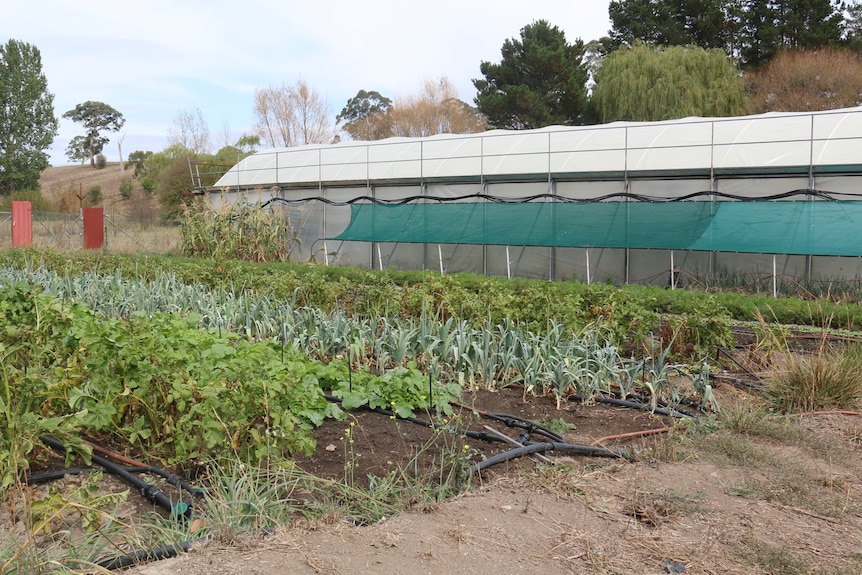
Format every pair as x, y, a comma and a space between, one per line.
364, 116
27, 122
540, 81
648, 83
96, 118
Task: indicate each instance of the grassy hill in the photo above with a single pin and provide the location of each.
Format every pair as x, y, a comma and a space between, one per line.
61, 184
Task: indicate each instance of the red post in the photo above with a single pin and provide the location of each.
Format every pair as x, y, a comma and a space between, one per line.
94, 228
22, 225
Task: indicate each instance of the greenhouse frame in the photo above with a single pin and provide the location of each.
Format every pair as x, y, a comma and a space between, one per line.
629, 202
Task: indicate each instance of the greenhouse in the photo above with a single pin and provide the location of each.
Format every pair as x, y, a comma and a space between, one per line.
634, 202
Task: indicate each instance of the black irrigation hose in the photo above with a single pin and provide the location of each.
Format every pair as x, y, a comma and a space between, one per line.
54, 475
480, 435
149, 491
635, 405
559, 199
175, 480
541, 448
147, 555
526, 424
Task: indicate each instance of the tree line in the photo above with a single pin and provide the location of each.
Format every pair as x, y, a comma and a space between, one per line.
660, 60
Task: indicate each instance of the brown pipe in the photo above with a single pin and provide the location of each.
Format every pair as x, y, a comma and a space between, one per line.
629, 435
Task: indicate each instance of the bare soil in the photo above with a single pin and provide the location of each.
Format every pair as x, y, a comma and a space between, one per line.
727, 505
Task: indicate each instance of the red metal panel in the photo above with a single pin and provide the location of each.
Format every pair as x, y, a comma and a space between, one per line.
94, 228
22, 225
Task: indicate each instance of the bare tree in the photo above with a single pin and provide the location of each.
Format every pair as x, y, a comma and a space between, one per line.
436, 110
292, 116
190, 131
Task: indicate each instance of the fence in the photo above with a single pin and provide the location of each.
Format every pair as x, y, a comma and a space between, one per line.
65, 232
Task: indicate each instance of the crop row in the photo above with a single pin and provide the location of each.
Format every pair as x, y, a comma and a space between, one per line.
556, 361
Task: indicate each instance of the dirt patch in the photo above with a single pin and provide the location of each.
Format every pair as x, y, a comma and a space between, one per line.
699, 515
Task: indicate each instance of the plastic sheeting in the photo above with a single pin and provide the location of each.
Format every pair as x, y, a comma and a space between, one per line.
810, 142
801, 227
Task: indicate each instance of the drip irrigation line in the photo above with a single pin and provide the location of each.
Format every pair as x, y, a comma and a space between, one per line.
148, 555
149, 491
729, 356
574, 448
173, 479
525, 424
480, 435
54, 475
634, 405
515, 421
663, 403
158, 553
808, 192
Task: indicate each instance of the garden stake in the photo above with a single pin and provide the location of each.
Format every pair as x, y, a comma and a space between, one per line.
430, 390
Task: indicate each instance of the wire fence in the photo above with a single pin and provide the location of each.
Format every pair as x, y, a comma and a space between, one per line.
65, 232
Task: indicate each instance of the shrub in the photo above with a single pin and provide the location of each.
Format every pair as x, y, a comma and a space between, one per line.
830, 378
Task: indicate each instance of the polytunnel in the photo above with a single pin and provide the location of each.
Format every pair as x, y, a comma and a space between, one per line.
641, 202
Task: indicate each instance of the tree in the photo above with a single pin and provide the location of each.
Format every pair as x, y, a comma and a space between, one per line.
364, 116
291, 116
647, 83
773, 25
704, 23
851, 32
78, 149
807, 80
540, 80
436, 110
96, 117
27, 122
247, 144
190, 131
749, 31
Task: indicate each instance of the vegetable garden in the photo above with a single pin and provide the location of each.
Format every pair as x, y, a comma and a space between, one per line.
210, 367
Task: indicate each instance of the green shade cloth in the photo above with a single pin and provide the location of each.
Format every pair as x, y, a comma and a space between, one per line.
781, 227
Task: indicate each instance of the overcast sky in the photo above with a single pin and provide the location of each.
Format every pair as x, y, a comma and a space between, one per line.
152, 59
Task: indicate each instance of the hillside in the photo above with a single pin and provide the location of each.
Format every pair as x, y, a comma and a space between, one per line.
56, 182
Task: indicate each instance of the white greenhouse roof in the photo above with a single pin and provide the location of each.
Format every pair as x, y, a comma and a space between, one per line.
766, 143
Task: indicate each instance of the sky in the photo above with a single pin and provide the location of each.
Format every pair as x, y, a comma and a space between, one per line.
155, 59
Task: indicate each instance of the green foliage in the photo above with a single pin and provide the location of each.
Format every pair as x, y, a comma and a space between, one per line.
708, 24
360, 114
645, 83
126, 187
27, 121
96, 118
751, 31
697, 333
175, 189
38, 202
31, 348
78, 149
540, 81
94, 196
403, 390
